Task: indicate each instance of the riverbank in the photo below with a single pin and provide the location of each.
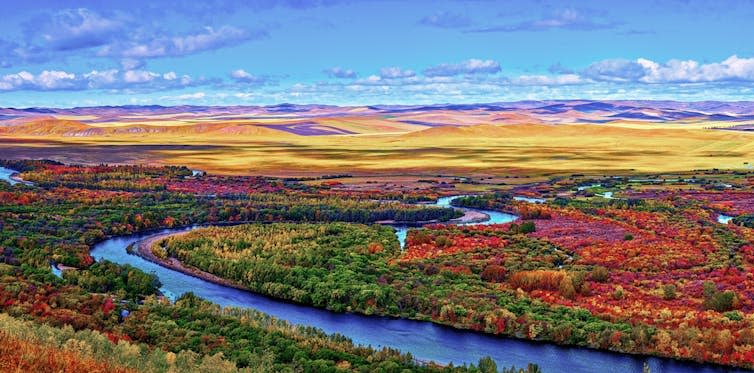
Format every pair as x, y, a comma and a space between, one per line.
17, 178
143, 249
470, 217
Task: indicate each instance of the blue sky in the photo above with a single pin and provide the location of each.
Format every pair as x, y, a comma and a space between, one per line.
213, 52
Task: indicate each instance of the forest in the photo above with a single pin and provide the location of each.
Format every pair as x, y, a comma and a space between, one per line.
108, 317
650, 272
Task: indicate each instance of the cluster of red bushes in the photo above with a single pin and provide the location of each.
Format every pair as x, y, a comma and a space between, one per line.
218, 185
668, 269
421, 245
733, 202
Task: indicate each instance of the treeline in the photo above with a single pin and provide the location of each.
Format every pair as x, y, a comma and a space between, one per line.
744, 220
281, 207
492, 201
103, 177
27, 164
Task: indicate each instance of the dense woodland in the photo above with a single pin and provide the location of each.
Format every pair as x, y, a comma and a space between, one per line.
71, 208
649, 272
331, 265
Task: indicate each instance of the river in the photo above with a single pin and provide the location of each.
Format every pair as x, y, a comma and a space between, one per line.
424, 340
724, 219
6, 175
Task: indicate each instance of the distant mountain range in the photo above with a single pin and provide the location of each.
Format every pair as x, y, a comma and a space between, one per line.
316, 120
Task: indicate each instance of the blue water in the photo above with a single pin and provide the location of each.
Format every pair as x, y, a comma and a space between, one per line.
724, 219
424, 340
5, 175
529, 199
56, 271
401, 231
494, 217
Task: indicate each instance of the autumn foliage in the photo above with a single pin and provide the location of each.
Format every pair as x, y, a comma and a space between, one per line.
651, 272
18, 355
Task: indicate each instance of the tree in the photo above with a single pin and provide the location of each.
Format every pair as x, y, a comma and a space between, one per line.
668, 291
566, 288
600, 274
487, 365
493, 273
528, 227
720, 301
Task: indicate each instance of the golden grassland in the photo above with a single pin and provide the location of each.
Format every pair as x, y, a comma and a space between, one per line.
469, 150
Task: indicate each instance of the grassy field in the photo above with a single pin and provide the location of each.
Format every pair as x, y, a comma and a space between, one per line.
470, 150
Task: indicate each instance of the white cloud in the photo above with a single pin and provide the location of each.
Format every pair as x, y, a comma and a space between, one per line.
341, 73
395, 73
545, 80
472, 66
732, 69
101, 78
50, 80
241, 76
568, 19
191, 96
46, 80
131, 64
73, 29
209, 38
139, 76
446, 20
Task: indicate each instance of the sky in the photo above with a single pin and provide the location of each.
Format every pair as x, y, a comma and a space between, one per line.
262, 52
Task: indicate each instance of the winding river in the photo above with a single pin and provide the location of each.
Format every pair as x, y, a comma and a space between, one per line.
424, 340
6, 175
